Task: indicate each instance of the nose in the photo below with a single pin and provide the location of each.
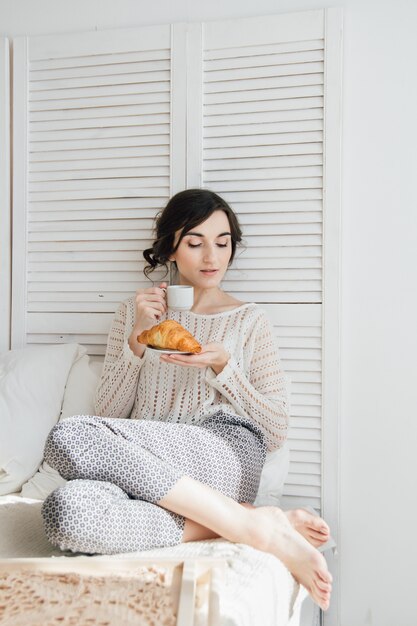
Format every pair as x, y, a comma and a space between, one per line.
209, 254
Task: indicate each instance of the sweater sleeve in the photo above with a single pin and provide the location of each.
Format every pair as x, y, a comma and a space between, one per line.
261, 392
116, 390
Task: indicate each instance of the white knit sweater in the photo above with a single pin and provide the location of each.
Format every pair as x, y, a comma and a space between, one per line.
252, 384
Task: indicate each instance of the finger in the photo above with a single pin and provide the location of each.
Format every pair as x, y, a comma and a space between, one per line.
154, 301
159, 303
175, 358
155, 311
153, 290
152, 312
150, 297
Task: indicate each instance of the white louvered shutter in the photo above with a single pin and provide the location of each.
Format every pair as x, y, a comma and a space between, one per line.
261, 147
108, 125
93, 152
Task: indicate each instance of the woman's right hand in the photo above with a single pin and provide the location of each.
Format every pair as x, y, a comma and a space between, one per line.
150, 304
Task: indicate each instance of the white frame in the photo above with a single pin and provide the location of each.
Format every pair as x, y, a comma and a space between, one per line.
5, 206
178, 125
331, 308
20, 151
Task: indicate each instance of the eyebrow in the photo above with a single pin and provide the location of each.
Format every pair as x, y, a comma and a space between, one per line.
201, 235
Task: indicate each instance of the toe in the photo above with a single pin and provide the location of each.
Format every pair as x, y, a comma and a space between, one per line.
319, 526
322, 586
325, 575
320, 598
315, 535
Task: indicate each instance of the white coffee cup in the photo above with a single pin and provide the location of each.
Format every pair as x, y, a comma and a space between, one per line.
180, 297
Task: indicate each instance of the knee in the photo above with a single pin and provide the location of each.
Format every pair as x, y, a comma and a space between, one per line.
61, 517
68, 516
62, 441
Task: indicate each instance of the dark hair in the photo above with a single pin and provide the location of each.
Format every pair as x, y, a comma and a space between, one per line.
185, 210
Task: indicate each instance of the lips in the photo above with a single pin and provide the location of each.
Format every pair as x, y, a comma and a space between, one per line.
208, 271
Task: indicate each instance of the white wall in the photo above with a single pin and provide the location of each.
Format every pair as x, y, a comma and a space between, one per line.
379, 273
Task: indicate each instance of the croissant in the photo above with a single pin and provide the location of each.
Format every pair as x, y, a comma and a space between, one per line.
170, 335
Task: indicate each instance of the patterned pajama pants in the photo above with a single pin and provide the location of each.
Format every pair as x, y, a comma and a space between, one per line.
118, 469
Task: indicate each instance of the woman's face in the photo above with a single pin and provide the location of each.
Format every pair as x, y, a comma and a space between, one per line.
208, 246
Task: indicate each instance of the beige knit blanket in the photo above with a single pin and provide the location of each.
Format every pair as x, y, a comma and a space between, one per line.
35, 598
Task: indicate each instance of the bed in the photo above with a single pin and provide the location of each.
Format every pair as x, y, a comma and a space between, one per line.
211, 582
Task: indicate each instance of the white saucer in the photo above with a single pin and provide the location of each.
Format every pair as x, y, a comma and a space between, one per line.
163, 351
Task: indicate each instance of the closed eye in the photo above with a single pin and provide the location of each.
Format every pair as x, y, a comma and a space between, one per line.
197, 245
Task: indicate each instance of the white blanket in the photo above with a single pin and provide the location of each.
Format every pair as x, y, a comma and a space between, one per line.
257, 587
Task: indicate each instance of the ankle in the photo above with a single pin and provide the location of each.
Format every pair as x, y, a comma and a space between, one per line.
256, 532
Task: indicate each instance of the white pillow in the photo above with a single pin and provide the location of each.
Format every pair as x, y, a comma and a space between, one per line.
32, 383
275, 471
274, 474
78, 400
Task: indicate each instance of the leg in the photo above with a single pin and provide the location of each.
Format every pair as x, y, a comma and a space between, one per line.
93, 517
126, 455
109, 450
263, 528
146, 458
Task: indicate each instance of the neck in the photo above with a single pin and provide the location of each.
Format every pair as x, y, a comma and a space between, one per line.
204, 297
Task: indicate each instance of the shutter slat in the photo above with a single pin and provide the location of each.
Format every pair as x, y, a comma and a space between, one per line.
274, 52
116, 167
97, 193
99, 121
110, 100
266, 128
145, 204
258, 173
105, 112
112, 142
118, 59
57, 85
109, 152
263, 79
129, 129
253, 106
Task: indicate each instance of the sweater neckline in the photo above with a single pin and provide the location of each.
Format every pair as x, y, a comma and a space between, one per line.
222, 313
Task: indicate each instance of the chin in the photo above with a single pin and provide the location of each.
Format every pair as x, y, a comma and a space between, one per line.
212, 280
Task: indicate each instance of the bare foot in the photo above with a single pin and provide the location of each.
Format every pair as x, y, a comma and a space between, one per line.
273, 532
312, 527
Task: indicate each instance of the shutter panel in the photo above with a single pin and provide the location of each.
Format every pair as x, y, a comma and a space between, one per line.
298, 333
108, 125
262, 148
5, 249
93, 167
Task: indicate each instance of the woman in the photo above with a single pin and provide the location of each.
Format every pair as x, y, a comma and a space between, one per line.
176, 448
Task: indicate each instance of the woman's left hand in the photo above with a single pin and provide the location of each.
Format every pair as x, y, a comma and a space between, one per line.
212, 355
